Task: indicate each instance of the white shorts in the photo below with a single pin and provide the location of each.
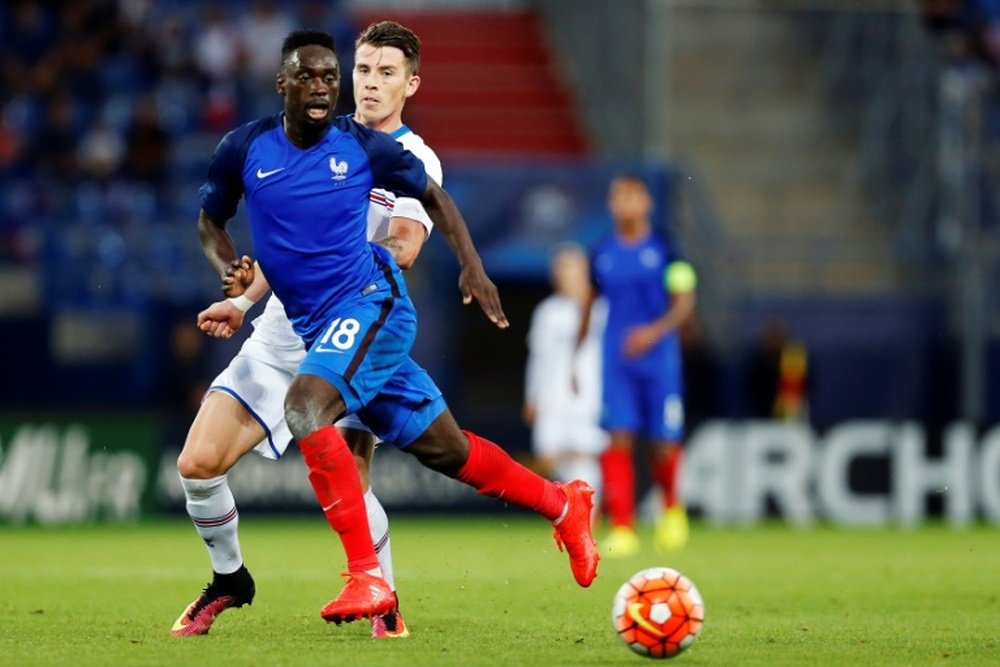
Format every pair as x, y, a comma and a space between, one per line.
558, 433
258, 377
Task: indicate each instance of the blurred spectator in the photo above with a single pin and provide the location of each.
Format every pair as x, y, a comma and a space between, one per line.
262, 32
969, 29
147, 145
53, 150
218, 56
101, 152
701, 370
778, 375
185, 374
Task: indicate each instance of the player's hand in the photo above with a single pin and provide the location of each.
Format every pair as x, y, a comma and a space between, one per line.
221, 320
238, 277
475, 284
639, 340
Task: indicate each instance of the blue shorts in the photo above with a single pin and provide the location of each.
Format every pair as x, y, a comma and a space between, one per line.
644, 399
405, 407
364, 353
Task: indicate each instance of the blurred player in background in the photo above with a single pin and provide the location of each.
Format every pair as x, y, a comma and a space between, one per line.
650, 293
347, 300
244, 408
562, 394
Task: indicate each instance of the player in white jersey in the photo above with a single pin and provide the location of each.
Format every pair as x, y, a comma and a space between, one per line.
562, 393
244, 409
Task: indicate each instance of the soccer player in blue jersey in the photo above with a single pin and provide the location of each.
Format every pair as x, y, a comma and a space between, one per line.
650, 292
305, 178
243, 409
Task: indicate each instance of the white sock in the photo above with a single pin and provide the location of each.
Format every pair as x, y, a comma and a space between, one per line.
586, 468
378, 522
212, 509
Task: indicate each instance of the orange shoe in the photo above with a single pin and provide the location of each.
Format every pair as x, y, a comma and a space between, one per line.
364, 596
574, 532
390, 625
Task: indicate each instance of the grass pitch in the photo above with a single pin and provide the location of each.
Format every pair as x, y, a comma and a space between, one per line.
494, 591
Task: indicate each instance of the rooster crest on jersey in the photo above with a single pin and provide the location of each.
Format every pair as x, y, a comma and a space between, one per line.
339, 169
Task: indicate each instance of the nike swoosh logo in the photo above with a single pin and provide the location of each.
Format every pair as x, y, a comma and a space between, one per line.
265, 174
332, 505
635, 613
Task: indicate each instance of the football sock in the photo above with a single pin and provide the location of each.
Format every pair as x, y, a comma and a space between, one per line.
378, 523
491, 472
619, 486
335, 479
212, 509
666, 471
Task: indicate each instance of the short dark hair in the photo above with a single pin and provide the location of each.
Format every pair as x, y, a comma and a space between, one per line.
299, 38
631, 176
390, 33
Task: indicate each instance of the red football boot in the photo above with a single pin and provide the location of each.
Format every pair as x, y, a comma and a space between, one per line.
364, 596
573, 530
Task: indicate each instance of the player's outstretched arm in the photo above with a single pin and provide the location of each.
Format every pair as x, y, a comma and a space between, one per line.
472, 281
405, 239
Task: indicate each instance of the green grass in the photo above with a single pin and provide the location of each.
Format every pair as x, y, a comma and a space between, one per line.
495, 591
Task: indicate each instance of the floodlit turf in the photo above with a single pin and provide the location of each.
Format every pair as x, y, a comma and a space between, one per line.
496, 592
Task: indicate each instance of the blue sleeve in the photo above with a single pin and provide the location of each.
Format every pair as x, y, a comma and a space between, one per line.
393, 167
221, 192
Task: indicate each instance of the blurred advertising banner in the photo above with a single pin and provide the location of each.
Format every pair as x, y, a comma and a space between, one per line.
57, 469
73, 469
858, 473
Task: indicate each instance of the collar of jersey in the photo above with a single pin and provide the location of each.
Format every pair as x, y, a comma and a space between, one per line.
399, 131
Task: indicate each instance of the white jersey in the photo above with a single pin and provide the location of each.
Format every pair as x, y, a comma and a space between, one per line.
260, 374
567, 418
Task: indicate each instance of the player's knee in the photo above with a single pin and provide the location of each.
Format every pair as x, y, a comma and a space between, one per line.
298, 422
310, 404
192, 464
299, 417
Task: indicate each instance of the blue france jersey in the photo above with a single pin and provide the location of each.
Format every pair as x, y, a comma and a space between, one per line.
308, 208
632, 279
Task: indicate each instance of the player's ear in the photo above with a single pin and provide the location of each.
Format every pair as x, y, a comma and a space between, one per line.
280, 83
412, 85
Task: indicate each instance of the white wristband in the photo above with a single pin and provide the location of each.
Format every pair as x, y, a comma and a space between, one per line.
242, 302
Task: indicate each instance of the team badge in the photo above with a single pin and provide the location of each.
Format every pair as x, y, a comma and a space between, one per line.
339, 169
